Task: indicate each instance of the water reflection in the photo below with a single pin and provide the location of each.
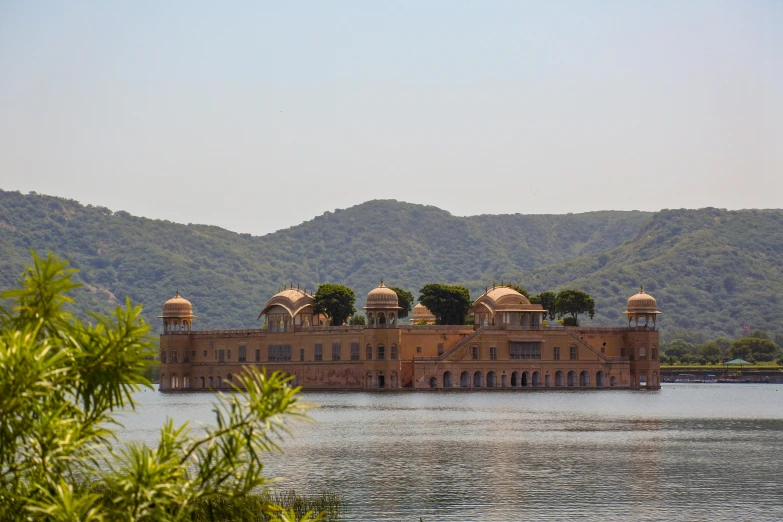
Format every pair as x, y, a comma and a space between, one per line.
688, 452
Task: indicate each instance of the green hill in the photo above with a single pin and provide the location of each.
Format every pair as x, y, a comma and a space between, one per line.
717, 269
710, 270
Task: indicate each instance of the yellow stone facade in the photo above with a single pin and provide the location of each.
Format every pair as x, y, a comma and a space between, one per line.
508, 348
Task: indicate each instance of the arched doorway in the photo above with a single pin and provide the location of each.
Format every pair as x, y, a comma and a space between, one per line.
612, 381
478, 380
393, 381
491, 380
642, 379
599, 379
584, 379
368, 380
210, 382
163, 382
173, 382
572, 378
558, 378
536, 379
219, 382
654, 379
433, 382
447, 380
464, 380
381, 380
201, 382
525, 379
514, 379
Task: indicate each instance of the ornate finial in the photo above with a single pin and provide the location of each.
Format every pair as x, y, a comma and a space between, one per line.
641, 289
382, 285
177, 293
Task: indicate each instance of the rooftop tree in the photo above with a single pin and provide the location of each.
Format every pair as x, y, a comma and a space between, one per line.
448, 303
548, 300
336, 302
573, 303
404, 300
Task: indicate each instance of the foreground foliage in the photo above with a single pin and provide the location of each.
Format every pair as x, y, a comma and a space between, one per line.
62, 383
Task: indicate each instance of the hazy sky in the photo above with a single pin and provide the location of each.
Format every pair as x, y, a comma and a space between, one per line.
256, 115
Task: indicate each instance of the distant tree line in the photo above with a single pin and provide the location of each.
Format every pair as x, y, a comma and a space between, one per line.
755, 348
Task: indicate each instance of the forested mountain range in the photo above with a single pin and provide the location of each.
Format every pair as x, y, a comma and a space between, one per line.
711, 270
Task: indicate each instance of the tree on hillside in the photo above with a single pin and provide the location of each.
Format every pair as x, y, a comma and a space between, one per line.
753, 349
679, 348
548, 300
336, 302
711, 352
448, 303
573, 303
404, 300
62, 383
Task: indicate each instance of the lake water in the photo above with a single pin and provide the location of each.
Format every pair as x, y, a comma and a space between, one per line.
687, 452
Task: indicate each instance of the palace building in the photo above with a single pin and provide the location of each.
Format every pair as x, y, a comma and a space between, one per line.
508, 347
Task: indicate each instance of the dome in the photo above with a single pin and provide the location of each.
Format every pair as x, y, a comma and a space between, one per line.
642, 303
177, 306
291, 300
503, 299
382, 298
422, 313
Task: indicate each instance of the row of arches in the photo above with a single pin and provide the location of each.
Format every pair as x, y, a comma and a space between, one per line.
381, 319
176, 325
173, 382
521, 379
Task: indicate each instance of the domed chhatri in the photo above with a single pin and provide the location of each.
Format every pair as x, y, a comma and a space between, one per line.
642, 308
502, 305
382, 307
422, 314
288, 308
177, 314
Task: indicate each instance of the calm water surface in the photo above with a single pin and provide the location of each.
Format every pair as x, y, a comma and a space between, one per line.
688, 452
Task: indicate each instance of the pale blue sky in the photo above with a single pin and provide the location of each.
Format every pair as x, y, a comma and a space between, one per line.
258, 115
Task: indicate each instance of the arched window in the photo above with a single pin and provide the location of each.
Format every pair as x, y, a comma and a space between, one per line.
653, 353
572, 378
536, 379
475, 353
612, 381
393, 352
162, 385
381, 352
642, 352
163, 356
369, 352
584, 379
478, 380
464, 379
